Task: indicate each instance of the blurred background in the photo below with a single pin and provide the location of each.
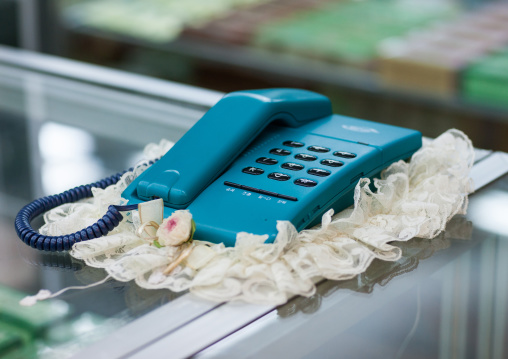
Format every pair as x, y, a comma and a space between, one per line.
425, 64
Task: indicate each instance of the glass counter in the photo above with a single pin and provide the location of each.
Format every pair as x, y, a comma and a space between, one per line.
64, 123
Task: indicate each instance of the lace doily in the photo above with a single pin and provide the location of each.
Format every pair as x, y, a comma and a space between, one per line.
414, 199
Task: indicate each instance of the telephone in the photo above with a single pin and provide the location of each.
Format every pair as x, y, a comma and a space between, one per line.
265, 155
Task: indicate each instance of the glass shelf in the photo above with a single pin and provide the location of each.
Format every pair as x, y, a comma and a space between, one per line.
229, 58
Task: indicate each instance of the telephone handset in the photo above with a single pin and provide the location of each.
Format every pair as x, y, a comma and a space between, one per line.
265, 155
203, 153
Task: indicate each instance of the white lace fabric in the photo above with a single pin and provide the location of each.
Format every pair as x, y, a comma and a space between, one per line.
412, 199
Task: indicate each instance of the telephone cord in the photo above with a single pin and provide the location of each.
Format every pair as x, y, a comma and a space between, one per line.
102, 227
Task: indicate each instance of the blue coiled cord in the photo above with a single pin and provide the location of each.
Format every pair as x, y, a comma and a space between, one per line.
103, 226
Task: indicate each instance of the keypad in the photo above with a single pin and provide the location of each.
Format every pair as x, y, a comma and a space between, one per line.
332, 163
318, 172
319, 149
293, 144
279, 176
305, 182
253, 170
292, 166
267, 161
344, 154
280, 152
305, 157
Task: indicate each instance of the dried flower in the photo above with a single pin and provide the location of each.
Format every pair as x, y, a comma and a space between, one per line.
176, 229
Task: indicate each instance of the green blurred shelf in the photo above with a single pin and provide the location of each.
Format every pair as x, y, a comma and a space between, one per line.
486, 81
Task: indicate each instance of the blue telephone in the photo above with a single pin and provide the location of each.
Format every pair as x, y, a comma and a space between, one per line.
256, 157
265, 155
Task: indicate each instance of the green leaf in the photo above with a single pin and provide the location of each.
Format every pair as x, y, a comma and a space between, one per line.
193, 229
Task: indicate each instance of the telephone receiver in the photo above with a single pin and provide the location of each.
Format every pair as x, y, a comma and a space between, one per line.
260, 156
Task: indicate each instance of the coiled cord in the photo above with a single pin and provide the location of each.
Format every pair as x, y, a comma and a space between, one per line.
103, 226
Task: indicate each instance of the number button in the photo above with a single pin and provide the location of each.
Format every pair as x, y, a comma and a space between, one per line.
280, 152
305, 182
253, 171
344, 154
292, 166
267, 161
279, 176
319, 149
332, 163
305, 157
293, 144
318, 172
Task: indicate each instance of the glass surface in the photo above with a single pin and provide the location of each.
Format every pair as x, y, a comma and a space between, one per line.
56, 133
445, 298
